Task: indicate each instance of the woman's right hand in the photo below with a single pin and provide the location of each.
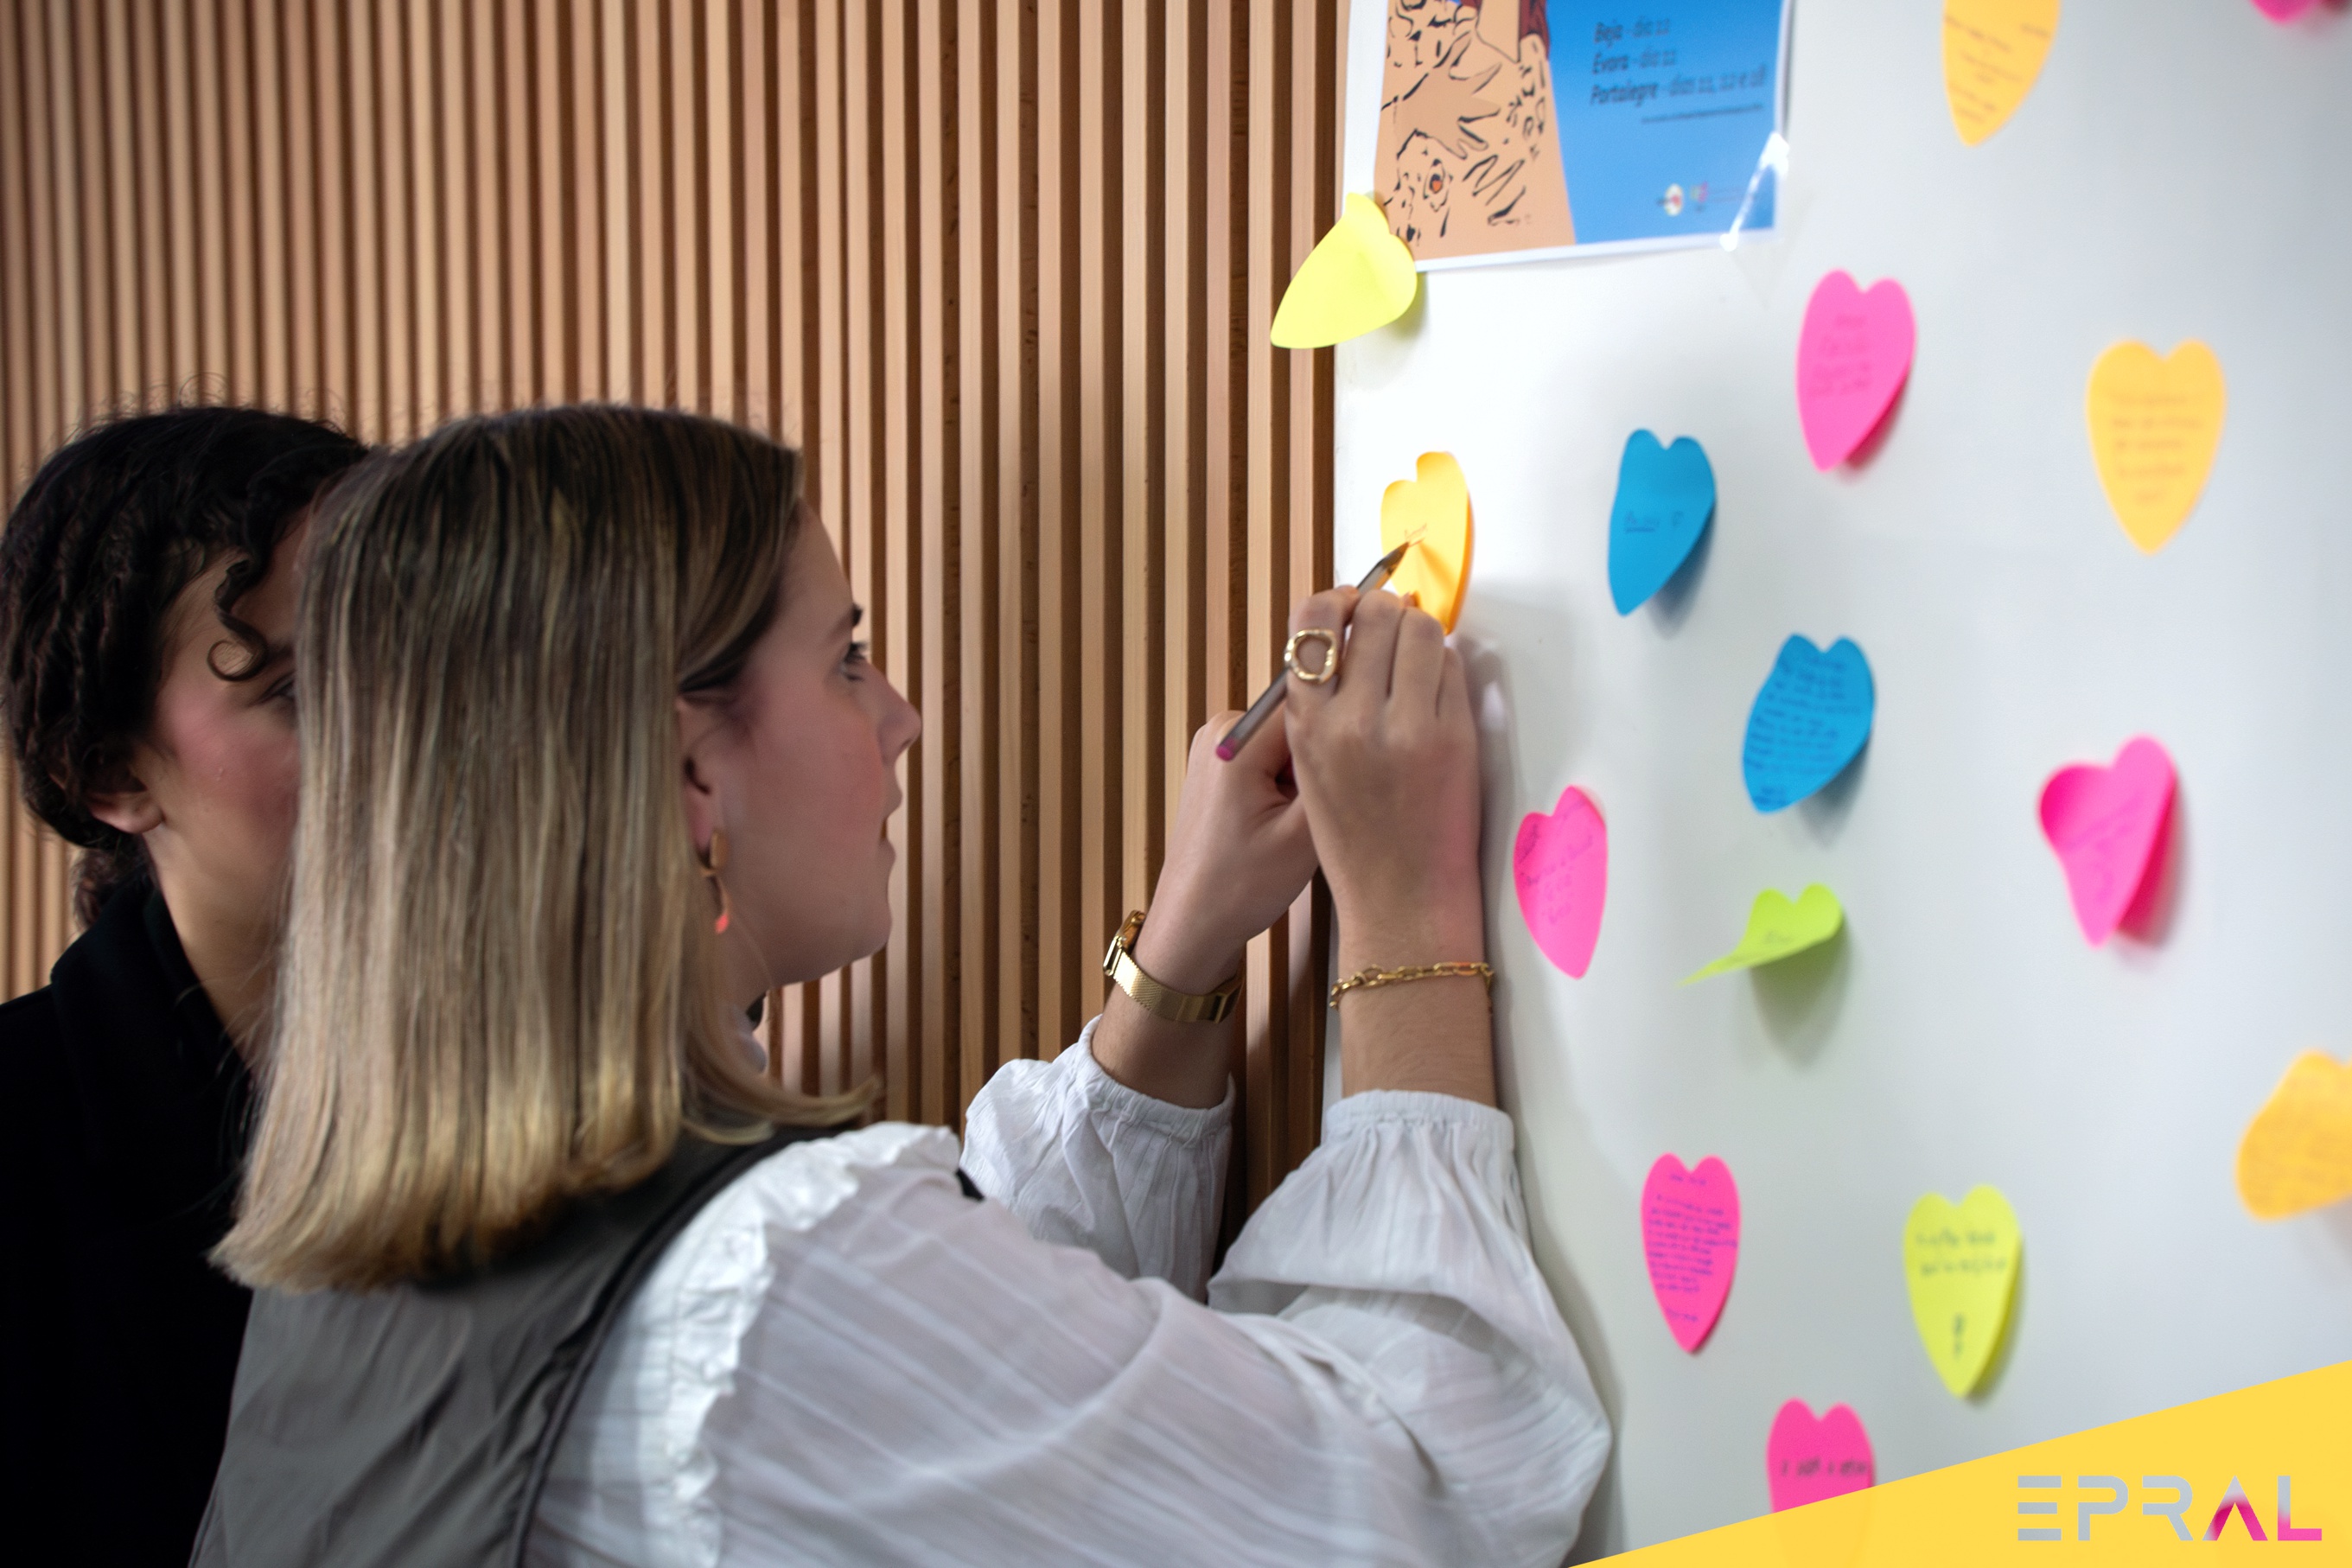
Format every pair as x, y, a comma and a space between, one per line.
1386, 756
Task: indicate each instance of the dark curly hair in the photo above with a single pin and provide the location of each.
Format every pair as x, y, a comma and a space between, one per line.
114, 527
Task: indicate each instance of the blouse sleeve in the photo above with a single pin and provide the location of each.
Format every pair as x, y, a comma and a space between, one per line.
843, 1359
1084, 1160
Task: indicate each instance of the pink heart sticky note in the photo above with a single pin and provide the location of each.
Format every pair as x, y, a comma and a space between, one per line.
2107, 825
2283, 10
1561, 865
1690, 1234
1806, 1460
1852, 358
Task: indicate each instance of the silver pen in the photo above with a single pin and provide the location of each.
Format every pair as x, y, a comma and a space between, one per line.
1271, 697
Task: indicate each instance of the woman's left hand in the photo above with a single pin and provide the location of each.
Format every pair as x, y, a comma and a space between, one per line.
1240, 854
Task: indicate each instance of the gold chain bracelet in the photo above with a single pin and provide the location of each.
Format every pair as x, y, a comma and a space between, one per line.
1370, 978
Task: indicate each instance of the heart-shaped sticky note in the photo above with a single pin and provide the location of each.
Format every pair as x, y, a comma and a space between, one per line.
1665, 497
2297, 1152
1778, 929
1690, 1234
1852, 357
1433, 511
1806, 1460
1561, 865
2154, 427
2283, 10
1357, 277
2108, 826
1994, 50
1809, 721
1962, 1264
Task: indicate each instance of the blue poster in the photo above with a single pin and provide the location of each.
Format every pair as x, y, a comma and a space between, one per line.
1517, 128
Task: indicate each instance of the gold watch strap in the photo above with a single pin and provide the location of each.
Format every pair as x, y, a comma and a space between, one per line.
1163, 1001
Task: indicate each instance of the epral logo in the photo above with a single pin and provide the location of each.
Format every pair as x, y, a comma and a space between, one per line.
2235, 1512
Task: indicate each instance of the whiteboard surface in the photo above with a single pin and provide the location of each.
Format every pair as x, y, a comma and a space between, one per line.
2177, 172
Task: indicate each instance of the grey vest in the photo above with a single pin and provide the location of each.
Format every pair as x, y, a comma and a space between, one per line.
414, 1425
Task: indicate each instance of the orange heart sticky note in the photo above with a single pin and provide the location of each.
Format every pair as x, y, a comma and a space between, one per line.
1993, 51
2154, 426
1433, 511
2297, 1152
1357, 277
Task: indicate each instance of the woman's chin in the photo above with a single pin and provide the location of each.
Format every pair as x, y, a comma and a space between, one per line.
878, 936
851, 944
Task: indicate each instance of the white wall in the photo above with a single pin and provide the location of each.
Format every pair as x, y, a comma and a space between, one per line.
2180, 171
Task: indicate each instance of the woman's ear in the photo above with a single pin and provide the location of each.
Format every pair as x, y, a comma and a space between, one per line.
126, 806
695, 728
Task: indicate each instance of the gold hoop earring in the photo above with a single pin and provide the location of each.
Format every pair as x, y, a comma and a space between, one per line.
710, 863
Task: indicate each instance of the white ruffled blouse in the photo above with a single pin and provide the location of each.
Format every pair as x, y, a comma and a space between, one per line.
844, 1359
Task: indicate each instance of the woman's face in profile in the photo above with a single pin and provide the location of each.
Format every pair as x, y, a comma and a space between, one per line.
800, 771
215, 778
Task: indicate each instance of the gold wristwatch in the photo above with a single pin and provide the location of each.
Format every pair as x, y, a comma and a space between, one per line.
1163, 1001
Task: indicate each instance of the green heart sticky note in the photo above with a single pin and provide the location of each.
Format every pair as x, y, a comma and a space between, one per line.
1961, 1263
1357, 277
1777, 928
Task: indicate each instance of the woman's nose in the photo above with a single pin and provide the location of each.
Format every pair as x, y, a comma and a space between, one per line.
904, 726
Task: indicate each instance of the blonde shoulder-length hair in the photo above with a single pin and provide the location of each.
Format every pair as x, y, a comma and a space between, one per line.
500, 989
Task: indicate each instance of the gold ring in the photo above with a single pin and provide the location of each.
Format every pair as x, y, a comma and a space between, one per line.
1330, 641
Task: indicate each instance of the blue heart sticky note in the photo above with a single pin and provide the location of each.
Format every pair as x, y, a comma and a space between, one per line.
1665, 497
1810, 720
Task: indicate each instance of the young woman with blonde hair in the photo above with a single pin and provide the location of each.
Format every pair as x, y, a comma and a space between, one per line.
549, 1270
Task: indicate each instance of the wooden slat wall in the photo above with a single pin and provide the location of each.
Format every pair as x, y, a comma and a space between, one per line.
1003, 266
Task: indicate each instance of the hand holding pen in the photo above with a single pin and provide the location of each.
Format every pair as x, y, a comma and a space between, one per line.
1314, 675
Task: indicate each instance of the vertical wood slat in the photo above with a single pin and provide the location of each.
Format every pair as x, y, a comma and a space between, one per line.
1013, 453
1060, 958
145, 153
1003, 266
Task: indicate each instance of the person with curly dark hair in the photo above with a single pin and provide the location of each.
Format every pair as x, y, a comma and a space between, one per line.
148, 589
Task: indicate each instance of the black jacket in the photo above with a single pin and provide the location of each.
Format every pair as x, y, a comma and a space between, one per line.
122, 1125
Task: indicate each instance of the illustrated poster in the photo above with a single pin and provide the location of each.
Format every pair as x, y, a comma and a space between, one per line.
1513, 130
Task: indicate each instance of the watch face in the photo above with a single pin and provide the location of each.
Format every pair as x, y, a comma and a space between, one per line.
1119, 941
1122, 941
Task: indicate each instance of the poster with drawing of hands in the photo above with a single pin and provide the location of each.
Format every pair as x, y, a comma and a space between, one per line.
1520, 130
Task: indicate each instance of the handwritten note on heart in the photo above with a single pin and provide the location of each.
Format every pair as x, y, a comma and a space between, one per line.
1961, 1262
1357, 277
1993, 51
1560, 865
2155, 425
1778, 929
1665, 497
1808, 722
2108, 827
1806, 1460
1852, 355
1433, 511
1690, 1235
2297, 1152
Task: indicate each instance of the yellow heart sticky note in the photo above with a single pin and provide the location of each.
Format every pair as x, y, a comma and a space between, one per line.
1777, 928
2297, 1152
1961, 1262
2154, 426
1993, 51
1433, 511
1357, 277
